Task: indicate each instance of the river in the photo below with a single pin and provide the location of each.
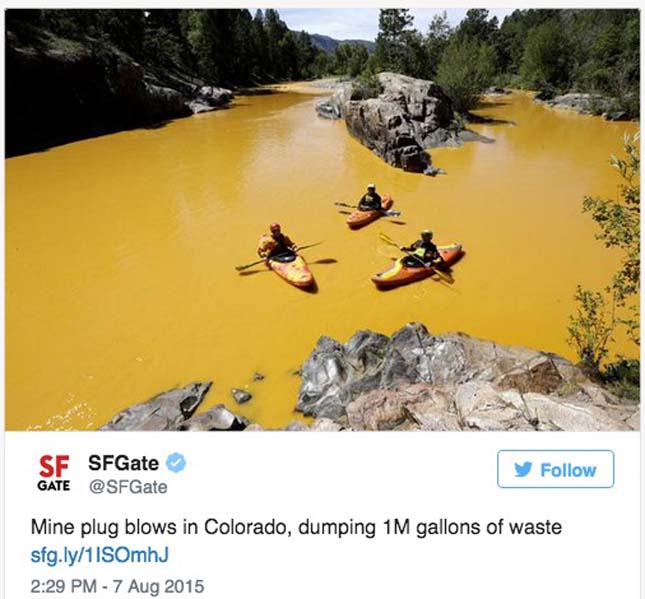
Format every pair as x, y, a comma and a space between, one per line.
120, 251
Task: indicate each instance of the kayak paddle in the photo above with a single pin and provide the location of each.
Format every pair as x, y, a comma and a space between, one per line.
384, 212
304, 247
391, 241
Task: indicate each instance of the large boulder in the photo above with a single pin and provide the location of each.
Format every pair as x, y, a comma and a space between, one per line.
408, 117
164, 412
210, 98
415, 380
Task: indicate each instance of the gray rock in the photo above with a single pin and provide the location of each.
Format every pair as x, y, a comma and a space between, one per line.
296, 426
570, 416
164, 412
408, 117
496, 91
210, 98
217, 418
324, 375
414, 380
241, 396
325, 425
258, 376
584, 104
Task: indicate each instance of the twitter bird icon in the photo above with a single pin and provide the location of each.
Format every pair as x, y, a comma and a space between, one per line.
522, 470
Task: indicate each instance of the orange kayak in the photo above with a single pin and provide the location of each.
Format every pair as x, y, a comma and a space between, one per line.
293, 269
403, 270
360, 218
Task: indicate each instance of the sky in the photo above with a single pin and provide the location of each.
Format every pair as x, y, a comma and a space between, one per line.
362, 23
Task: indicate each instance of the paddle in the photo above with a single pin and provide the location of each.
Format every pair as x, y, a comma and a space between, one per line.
299, 249
384, 212
391, 241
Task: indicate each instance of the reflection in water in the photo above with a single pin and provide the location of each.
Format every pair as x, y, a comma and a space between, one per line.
120, 251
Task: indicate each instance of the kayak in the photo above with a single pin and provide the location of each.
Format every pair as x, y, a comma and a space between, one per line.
360, 218
403, 270
293, 269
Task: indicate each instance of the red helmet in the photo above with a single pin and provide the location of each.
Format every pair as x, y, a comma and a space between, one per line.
275, 228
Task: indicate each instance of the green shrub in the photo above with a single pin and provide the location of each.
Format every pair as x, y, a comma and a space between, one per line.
366, 86
466, 69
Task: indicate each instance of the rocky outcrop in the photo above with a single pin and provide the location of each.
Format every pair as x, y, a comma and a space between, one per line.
217, 418
164, 412
60, 91
210, 98
174, 410
583, 103
408, 117
415, 380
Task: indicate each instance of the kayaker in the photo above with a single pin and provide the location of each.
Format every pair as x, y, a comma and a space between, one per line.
276, 243
425, 250
371, 200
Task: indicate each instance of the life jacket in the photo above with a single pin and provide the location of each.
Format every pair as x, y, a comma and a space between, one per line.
266, 244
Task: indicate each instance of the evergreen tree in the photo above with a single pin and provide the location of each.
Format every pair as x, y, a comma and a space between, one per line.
394, 23
466, 68
546, 61
439, 33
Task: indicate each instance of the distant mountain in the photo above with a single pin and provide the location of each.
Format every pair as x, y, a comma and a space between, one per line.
329, 44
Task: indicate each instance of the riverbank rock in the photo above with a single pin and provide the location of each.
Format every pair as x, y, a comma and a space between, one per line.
59, 90
495, 91
407, 118
217, 418
210, 98
415, 380
582, 103
164, 412
174, 410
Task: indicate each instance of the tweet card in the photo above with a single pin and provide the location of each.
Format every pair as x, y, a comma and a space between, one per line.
321, 301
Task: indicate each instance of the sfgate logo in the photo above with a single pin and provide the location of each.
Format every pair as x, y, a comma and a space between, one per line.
51, 473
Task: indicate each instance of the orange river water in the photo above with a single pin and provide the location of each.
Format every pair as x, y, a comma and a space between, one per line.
120, 251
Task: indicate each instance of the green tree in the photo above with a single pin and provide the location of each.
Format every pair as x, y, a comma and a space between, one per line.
439, 33
261, 47
466, 68
125, 28
478, 26
619, 222
358, 58
164, 41
275, 30
511, 40
414, 57
288, 52
546, 61
599, 313
306, 56
394, 24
